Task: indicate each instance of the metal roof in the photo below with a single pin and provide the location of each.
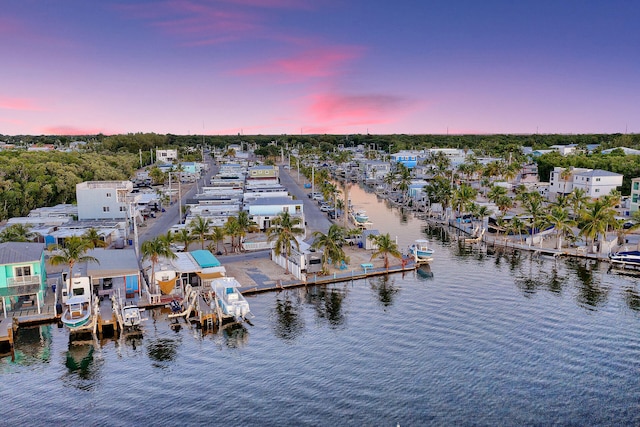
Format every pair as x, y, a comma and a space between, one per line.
20, 252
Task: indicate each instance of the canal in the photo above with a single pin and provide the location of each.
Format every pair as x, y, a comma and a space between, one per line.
486, 336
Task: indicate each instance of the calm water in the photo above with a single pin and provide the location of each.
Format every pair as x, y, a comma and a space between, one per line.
493, 338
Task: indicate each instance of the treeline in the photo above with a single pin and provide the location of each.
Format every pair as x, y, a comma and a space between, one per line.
29, 180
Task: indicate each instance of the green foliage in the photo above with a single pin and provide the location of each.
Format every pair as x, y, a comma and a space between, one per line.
29, 180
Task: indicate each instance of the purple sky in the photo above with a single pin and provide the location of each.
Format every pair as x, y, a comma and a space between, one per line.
333, 66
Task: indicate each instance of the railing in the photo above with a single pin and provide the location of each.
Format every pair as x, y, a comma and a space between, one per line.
23, 280
256, 246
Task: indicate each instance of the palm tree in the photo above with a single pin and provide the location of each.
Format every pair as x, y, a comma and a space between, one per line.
200, 228
565, 176
463, 196
185, 237
94, 238
245, 225
577, 200
517, 226
284, 230
72, 252
596, 220
560, 220
331, 244
233, 230
496, 192
16, 233
385, 247
218, 235
154, 249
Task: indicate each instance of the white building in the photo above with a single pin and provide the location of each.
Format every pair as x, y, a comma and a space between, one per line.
594, 182
635, 195
263, 210
104, 199
167, 156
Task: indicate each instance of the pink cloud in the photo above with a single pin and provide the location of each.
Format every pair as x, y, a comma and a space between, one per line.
71, 131
21, 104
321, 62
360, 109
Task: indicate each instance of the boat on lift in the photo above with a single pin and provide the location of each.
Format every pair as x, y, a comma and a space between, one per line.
626, 257
77, 300
230, 300
421, 251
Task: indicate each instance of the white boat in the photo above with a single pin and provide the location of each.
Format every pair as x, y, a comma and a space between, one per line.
421, 251
132, 316
77, 301
361, 217
231, 301
626, 257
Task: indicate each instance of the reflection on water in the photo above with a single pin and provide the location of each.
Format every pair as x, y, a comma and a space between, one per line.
83, 370
424, 272
539, 277
32, 345
289, 322
163, 350
235, 335
591, 293
385, 289
632, 298
327, 302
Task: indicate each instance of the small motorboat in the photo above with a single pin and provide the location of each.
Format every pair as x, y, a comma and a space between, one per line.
626, 257
231, 301
421, 251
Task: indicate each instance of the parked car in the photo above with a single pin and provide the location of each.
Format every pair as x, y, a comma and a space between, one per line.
326, 208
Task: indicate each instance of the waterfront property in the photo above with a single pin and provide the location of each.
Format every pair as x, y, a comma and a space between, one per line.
23, 275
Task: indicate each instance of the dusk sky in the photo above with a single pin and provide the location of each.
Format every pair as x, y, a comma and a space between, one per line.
300, 66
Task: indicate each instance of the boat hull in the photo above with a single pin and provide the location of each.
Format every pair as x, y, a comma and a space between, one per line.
75, 322
630, 257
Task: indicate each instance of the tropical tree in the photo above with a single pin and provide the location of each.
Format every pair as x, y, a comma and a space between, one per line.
185, 237
218, 235
385, 247
464, 195
154, 249
245, 225
331, 245
16, 233
565, 176
439, 191
72, 252
199, 227
517, 226
284, 231
596, 220
577, 199
561, 221
93, 237
233, 230
496, 192
504, 203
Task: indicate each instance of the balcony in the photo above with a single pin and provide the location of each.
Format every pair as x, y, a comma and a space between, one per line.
23, 285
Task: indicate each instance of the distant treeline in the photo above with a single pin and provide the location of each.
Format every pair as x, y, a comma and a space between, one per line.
33, 179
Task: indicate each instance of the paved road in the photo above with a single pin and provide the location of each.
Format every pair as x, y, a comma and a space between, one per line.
316, 219
169, 217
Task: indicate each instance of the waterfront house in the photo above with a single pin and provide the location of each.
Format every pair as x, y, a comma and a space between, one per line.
264, 209
302, 262
114, 270
595, 182
23, 275
406, 158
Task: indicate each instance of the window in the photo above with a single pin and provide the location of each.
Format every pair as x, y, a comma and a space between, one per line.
634, 199
123, 208
597, 179
105, 209
636, 185
597, 190
108, 194
285, 209
22, 271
